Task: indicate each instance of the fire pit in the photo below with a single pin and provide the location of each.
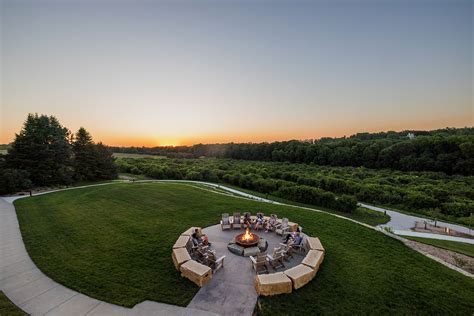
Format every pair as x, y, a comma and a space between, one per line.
247, 244
247, 239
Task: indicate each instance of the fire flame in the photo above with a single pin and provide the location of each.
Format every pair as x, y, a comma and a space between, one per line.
248, 235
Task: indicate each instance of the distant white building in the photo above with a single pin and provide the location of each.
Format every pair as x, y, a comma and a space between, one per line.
411, 135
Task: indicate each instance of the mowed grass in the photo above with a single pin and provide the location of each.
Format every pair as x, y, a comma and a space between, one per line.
114, 243
460, 247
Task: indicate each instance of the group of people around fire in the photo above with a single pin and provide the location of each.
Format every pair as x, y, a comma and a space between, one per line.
293, 238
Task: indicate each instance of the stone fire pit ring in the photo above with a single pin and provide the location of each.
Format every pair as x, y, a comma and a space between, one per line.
235, 248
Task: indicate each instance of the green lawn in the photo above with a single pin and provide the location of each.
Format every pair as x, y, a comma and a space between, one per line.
114, 243
7, 308
461, 247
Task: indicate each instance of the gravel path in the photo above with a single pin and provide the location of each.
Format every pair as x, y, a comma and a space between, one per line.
445, 255
433, 236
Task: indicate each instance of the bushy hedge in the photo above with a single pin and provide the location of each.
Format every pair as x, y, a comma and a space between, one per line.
12, 180
334, 187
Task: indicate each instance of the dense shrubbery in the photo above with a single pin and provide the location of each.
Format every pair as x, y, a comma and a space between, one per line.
333, 187
12, 180
44, 154
447, 150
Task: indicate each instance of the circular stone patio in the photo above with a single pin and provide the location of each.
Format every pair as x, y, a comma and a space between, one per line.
233, 286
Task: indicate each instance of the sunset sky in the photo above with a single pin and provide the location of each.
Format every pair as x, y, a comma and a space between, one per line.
182, 72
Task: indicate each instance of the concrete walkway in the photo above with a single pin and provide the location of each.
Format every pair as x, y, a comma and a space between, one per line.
433, 236
402, 224
31, 290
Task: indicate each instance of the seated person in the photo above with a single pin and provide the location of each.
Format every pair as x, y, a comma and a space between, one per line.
271, 223
292, 235
258, 221
200, 237
297, 241
247, 220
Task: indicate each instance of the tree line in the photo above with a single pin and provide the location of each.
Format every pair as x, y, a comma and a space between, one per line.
45, 153
449, 150
427, 193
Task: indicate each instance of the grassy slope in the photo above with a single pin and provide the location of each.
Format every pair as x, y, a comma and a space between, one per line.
8, 308
114, 243
361, 214
461, 247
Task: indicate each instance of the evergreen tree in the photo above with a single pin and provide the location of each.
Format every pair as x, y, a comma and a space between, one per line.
106, 168
92, 161
42, 149
84, 151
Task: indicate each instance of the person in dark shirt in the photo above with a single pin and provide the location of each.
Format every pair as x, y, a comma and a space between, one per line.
199, 236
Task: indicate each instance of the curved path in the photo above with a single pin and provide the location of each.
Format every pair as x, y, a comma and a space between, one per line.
402, 224
34, 292
37, 294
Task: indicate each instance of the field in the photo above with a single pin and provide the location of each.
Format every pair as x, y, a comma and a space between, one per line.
430, 194
125, 155
464, 248
114, 242
4, 148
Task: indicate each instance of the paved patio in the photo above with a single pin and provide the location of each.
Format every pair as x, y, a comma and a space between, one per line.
231, 290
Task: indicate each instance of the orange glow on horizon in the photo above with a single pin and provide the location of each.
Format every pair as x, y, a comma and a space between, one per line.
154, 139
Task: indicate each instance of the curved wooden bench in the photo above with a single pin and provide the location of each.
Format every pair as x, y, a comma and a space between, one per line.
314, 243
181, 242
300, 275
269, 284
190, 231
313, 259
180, 256
196, 272
273, 284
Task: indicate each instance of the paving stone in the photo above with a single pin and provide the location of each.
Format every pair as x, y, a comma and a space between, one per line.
79, 304
15, 269
18, 280
262, 245
50, 299
30, 290
251, 251
105, 309
148, 308
236, 249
